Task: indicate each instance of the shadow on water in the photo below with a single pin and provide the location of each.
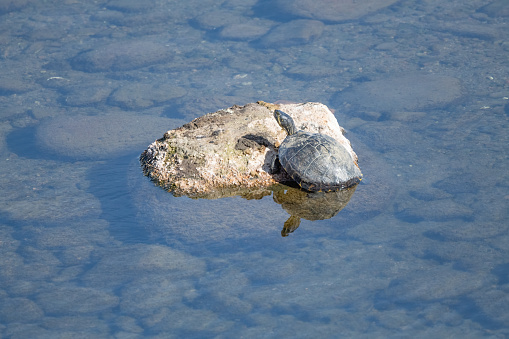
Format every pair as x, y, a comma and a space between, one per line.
108, 183
21, 142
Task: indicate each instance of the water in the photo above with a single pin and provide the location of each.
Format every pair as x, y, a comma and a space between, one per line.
91, 248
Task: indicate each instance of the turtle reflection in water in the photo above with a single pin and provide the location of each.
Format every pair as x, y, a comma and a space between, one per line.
311, 206
317, 162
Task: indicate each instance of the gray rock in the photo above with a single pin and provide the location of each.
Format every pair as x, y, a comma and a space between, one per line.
332, 10
176, 320
121, 56
9, 243
479, 31
9, 86
130, 5
476, 230
248, 30
406, 92
494, 304
371, 232
433, 283
376, 192
19, 310
73, 245
128, 263
379, 135
76, 300
497, 8
85, 136
91, 325
414, 210
28, 199
214, 19
312, 71
138, 96
296, 32
11, 5
129, 325
146, 295
88, 94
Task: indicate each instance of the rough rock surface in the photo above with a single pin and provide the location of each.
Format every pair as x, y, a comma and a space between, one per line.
231, 150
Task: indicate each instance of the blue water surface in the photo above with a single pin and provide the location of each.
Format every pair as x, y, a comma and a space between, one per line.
90, 248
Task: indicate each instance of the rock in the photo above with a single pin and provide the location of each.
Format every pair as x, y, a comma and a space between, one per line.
27, 200
406, 92
9, 86
211, 20
379, 135
88, 93
122, 56
130, 5
136, 96
176, 320
19, 310
413, 210
476, 31
76, 300
493, 304
231, 149
432, 283
312, 71
11, 5
250, 30
124, 264
145, 295
332, 10
9, 244
296, 32
476, 230
85, 136
498, 8
377, 190
76, 326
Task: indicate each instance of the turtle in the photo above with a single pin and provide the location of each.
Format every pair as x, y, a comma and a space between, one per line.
317, 162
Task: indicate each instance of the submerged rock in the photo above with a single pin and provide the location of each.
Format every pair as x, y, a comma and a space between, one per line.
83, 136
407, 92
293, 33
332, 10
232, 150
122, 56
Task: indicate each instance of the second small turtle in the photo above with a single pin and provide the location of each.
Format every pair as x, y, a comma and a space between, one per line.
317, 162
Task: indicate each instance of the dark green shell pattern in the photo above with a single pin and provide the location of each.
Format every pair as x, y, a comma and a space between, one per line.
317, 162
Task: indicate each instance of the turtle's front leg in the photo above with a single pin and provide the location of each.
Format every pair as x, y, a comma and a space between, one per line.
275, 165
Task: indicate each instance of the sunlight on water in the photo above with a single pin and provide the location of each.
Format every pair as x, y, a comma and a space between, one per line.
91, 248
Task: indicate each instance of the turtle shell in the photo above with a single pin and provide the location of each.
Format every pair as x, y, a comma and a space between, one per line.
318, 162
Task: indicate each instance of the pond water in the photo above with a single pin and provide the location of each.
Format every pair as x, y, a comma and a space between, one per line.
90, 248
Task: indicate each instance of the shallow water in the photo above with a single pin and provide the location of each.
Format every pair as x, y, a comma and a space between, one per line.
91, 248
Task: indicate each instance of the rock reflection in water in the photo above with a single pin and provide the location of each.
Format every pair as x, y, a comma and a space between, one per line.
228, 213
295, 201
310, 206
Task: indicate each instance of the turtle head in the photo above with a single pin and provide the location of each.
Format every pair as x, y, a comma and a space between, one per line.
285, 121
